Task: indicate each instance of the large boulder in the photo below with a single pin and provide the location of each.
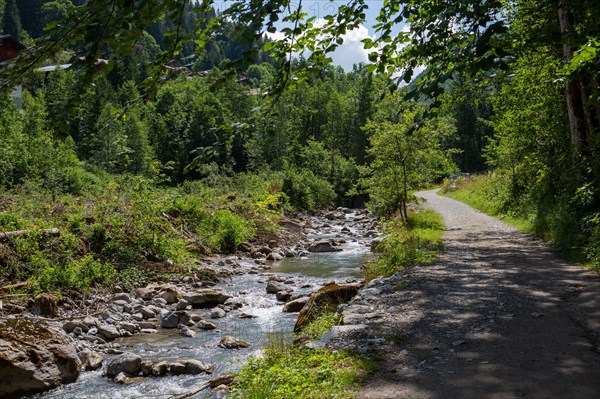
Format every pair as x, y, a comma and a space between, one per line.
328, 297
170, 293
128, 363
170, 319
207, 297
323, 246
274, 287
296, 305
34, 358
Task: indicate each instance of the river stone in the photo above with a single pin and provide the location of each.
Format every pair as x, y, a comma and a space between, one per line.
274, 287
323, 246
217, 313
70, 326
146, 367
146, 293
186, 332
205, 325
122, 296
207, 297
330, 296
189, 366
128, 363
274, 256
229, 342
34, 358
122, 378
173, 319
129, 327
45, 305
295, 305
169, 293
182, 304
283, 296
90, 359
109, 331
159, 369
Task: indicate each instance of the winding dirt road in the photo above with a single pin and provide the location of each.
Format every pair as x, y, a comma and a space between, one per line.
498, 315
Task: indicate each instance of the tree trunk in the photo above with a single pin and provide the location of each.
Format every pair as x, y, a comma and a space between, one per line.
582, 119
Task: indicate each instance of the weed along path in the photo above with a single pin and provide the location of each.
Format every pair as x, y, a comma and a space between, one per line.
498, 315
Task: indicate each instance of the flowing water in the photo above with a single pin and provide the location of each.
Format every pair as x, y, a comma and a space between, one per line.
309, 272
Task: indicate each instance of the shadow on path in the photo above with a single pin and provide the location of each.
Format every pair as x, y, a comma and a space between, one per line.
498, 315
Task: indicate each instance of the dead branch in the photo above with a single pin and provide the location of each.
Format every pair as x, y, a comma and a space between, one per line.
20, 233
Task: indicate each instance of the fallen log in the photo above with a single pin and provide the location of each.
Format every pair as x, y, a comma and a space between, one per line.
54, 232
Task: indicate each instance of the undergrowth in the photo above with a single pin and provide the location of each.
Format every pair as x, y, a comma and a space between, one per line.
291, 371
127, 228
405, 244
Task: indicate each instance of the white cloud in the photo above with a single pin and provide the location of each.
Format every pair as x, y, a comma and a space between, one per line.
348, 53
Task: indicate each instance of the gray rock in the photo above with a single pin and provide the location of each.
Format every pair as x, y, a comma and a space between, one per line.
146, 293
90, 360
205, 325
323, 246
173, 319
295, 306
274, 287
229, 342
207, 297
70, 326
109, 331
128, 363
182, 304
186, 332
217, 313
169, 293
283, 296
34, 358
123, 296
159, 369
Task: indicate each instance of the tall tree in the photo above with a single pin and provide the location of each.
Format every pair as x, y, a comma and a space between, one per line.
11, 20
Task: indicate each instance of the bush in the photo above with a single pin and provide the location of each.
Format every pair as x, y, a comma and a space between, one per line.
77, 276
307, 191
406, 244
232, 230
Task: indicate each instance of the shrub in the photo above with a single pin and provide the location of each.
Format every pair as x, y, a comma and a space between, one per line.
307, 191
231, 231
405, 244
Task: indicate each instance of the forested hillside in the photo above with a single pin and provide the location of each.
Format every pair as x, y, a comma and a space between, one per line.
134, 166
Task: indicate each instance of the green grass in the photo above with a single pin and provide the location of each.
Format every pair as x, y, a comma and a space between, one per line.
127, 228
403, 245
485, 194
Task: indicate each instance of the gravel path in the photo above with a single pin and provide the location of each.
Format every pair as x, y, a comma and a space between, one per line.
498, 315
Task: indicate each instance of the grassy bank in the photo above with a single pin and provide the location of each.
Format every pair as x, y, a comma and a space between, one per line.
558, 220
290, 371
404, 245
127, 229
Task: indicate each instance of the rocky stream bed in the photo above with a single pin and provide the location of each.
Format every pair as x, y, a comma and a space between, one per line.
170, 338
